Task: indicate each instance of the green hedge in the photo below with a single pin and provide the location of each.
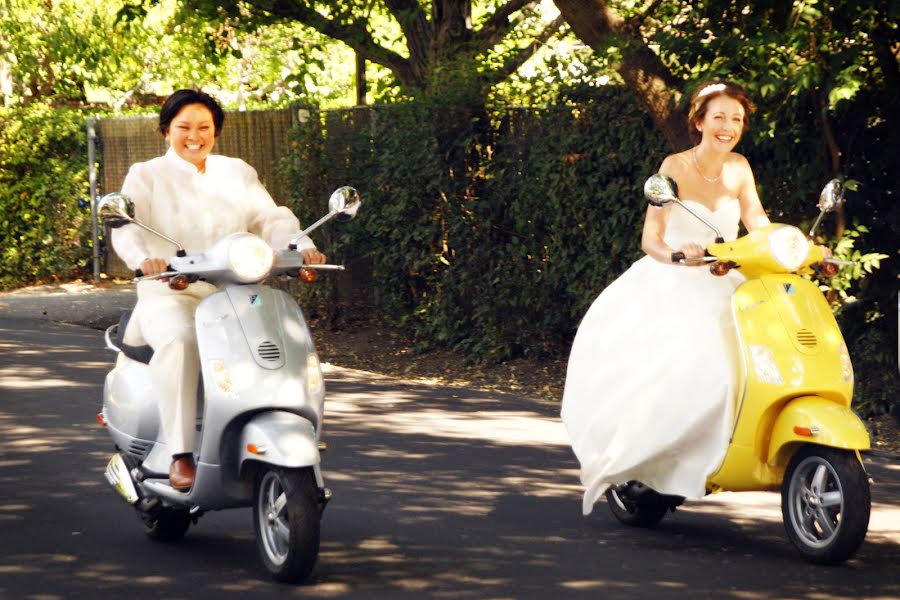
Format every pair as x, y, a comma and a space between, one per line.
552, 213
44, 230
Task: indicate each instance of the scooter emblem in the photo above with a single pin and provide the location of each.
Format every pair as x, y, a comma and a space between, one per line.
789, 288
255, 300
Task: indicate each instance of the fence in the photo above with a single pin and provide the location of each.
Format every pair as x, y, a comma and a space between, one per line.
258, 137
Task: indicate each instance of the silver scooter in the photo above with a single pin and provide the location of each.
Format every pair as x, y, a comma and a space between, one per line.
260, 400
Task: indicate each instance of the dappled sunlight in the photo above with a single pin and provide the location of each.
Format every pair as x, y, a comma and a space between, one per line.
20, 439
33, 378
437, 492
507, 428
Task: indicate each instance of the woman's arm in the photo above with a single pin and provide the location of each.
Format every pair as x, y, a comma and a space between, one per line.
753, 215
276, 224
128, 240
653, 235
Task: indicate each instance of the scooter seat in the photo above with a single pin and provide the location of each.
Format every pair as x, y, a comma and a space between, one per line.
141, 354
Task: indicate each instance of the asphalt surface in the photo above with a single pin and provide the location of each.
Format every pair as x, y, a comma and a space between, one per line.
438, 493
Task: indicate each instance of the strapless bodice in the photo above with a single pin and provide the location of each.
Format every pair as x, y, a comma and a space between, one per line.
683, 227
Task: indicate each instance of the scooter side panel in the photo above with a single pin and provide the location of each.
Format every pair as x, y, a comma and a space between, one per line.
831, 425
130, 408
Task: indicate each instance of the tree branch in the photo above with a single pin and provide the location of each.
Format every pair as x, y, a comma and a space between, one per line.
353, 34
495, 28
595, 23
417, 30
520, 58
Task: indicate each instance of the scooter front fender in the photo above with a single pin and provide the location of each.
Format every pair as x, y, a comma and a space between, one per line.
279, 438
815, 420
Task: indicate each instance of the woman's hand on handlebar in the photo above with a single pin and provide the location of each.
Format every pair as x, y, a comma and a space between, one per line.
312, 256
153, 266
688, 252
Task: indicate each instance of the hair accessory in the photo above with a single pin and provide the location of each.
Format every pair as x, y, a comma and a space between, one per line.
711, 88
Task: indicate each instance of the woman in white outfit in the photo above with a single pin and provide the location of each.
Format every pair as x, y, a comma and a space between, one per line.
195, 198
650, 390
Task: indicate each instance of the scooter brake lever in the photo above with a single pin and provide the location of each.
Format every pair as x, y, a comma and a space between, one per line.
325, 267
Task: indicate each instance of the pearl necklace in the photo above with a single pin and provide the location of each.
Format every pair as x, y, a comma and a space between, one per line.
697, 166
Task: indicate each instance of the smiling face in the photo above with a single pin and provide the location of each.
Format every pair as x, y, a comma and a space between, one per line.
723, 123
192, 134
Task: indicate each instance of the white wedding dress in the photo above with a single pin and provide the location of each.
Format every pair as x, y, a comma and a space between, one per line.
650, 387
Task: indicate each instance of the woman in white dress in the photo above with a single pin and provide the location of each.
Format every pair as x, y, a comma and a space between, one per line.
649, 390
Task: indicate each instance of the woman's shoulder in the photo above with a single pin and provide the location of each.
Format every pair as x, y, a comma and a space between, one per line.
230, 163
148, 166
738, 159
675, 163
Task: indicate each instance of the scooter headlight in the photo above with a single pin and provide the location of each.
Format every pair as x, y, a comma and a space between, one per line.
250, 258
789, 246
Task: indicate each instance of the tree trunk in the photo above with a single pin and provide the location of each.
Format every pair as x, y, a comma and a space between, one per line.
598, 25
360, 79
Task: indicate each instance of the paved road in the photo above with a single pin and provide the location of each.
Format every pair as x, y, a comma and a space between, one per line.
438, 492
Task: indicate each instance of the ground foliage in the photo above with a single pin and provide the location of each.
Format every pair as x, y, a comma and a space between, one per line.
44, 219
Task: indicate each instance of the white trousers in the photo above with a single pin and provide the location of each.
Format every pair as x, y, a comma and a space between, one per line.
164, 319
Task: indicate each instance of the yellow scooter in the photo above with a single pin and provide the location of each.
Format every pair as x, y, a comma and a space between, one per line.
793, 426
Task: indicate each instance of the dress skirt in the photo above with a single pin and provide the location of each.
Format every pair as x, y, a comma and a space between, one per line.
650, 386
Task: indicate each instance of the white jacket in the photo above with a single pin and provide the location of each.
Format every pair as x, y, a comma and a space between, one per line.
198, 209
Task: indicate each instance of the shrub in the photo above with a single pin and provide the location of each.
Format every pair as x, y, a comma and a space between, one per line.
45, 232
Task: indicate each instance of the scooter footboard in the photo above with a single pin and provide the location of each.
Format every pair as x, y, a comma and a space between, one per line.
279, 438
815, 420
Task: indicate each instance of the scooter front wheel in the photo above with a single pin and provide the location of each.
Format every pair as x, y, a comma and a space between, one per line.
286, 516
825, 503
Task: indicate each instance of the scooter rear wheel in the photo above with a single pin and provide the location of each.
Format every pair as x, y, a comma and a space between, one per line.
286, 516
644, 510
825, 503
169, 525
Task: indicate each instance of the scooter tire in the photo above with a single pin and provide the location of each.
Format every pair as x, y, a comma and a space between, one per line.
170, 525
825, 503
646, 510
286, 518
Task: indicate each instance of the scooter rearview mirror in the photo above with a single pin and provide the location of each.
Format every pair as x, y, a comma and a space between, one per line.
115, 209
344, 203
660, 190
832, 196
830, 199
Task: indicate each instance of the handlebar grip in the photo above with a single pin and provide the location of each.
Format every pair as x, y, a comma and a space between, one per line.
677, 257
138, 273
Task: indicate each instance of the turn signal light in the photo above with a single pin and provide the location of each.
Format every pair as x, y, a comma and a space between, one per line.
308, 275
254, 449
101, 420
806, 431
829, 269
719, 268
178, 282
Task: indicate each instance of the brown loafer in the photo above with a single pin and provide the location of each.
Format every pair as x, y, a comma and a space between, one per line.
181, 473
